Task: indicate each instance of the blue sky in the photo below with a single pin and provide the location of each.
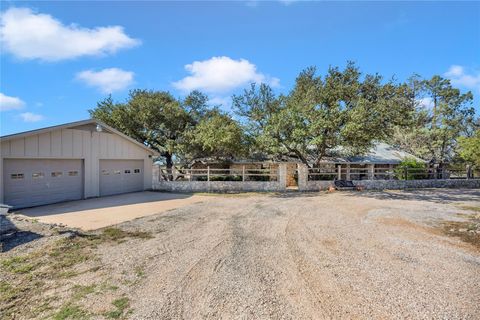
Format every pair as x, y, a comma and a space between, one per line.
59, 58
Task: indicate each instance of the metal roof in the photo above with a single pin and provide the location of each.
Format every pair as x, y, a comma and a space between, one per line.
383, 153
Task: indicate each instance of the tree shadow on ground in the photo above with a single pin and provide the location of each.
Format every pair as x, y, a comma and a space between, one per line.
431, 195
11, 236
297, 194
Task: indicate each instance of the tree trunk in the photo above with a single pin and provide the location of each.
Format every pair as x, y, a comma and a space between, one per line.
169, 162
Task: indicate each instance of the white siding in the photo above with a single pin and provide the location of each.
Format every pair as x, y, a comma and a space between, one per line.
31, 146
77, 144
44, 145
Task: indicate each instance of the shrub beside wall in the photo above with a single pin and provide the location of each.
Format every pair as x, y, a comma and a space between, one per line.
411, 169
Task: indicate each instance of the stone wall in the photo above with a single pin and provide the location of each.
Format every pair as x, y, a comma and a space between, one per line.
218, 186
397, 184
303, 183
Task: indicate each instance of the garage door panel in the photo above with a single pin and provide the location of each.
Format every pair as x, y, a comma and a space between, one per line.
120, 176
38, 185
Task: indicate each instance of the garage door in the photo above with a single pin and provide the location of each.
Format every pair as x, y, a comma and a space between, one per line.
120, 176
34, 182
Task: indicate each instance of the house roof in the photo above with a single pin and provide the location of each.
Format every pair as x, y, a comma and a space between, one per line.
89, 124
383, 153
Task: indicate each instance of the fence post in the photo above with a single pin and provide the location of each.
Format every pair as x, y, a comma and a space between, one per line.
243, 173
155, 177
208, 173
405, 173
371, 171
302, 176
339, 172
282, 176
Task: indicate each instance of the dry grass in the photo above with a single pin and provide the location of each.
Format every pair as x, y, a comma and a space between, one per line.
26, 278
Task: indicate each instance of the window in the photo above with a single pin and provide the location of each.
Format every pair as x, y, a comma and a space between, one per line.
105, 172
127, 171
73, 173
16, 176
57, 174
116, 172
136, 171
37, 175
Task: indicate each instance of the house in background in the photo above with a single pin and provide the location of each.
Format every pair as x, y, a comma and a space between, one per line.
71, 161
378, 163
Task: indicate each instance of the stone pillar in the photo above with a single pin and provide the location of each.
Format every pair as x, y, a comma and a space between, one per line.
282, 176
339, 172
371, 171
469, 171
302, 176
155, 177
390, 171
348, 172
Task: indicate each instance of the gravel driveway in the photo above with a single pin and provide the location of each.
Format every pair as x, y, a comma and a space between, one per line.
343, 255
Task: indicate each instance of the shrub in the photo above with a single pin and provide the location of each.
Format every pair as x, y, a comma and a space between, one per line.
416, 170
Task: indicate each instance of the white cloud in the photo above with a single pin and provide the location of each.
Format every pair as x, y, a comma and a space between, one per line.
10, 103
30, 35
223, 101
107, 80
221, 74
31, 117
458, 76
426, 103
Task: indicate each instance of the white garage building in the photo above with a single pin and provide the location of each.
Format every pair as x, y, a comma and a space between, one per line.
71, 161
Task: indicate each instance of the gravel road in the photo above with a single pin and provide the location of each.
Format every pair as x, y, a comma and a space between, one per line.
358, 255
349, 255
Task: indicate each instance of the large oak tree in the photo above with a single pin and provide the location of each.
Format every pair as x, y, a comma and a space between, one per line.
177, 129
319, 115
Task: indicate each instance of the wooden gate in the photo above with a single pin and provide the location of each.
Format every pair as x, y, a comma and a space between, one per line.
292, 175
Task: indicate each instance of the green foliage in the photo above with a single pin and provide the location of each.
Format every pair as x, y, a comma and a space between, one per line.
70, 312
7, 291
434, 130
342, 109
217, 135
116, 234
154, 118
18, 264
121, 305
415, 170
469, 148
80, 292
177, 129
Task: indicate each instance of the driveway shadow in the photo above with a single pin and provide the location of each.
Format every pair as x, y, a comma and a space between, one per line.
102, 202
431, 195
11, 237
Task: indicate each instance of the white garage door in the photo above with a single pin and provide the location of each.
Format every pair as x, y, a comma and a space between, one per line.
120, 176
33, 182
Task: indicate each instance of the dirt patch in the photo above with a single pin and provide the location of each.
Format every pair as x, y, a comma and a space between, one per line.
467, 230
